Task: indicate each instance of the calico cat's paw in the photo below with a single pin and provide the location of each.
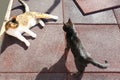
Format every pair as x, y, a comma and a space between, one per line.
41, 23
34, 36
27, 43
55, 17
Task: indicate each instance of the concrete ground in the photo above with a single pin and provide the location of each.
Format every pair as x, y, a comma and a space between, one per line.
46, 59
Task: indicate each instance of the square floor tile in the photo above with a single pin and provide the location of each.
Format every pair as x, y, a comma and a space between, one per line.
89, 6
72, 11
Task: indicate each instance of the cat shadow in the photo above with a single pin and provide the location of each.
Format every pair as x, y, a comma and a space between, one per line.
58, 67
19, 7
58, 71
9, 40
54, 5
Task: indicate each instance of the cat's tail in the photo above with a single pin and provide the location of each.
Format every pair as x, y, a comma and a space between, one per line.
99, 65
25, 5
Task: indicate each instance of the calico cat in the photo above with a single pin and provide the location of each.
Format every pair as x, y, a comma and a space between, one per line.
23, 22
81, 56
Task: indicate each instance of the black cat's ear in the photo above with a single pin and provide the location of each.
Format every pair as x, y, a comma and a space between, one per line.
70, 22
64, 26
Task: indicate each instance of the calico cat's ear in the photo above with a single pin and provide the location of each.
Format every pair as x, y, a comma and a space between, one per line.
13, 19
70, 22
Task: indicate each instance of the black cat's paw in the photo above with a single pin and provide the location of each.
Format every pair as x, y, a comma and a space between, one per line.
76, 74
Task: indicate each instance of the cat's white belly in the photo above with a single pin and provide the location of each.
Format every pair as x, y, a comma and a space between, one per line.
32, 22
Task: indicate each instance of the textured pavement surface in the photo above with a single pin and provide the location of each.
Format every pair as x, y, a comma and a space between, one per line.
46, 59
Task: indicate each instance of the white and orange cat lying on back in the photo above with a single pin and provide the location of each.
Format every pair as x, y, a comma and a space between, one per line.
23, 22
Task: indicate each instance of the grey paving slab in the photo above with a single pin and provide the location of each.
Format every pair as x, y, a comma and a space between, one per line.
72, 11
102, 42
117, 13
33, 76
47, 50
3, 9
51, 6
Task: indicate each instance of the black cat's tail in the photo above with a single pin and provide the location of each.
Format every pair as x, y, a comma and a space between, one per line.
99, 65
25, 5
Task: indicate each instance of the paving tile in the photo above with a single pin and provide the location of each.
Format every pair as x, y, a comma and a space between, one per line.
89, 6
72, 11
102, 42
33, 76
46, 51
3, 9
53, 7
117, 13
18, 76
97, 76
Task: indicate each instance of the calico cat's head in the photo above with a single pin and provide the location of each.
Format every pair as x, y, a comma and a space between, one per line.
68, 27
12, 23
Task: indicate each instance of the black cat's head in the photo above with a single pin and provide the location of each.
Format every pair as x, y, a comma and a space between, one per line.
68, 27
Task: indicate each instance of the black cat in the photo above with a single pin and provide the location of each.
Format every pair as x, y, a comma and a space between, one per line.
81, 56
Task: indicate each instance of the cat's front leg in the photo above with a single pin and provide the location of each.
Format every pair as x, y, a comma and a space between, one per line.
41, 23
30, 33
21, 38
18, 36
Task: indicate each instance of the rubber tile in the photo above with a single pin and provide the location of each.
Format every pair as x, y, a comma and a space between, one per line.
53, 7
33, 76
117, 13
46, 51
102, 43
97, 76
73, 12
18, 76
89, 6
